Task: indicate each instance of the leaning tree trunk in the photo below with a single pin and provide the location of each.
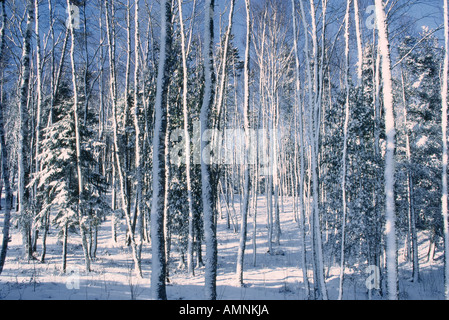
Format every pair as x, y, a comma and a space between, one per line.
390, 132
158, 274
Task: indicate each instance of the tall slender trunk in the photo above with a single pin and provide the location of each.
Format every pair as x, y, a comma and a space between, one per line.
445, 150
140, 209
190, 266
411, 206
302, 164
58, 74
4, 156
314, 116
39, 68
25, 219
390, 215
344, 157
224, 65
119, 168
158, 274
358, 32
80, 208
207, 180
247, 182
166, 213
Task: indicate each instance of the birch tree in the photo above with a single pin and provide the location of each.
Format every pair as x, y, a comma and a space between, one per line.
358, 32
184, 52
80, 213
444, 198
314, 73
140, 210
158, 274
390, 131
4, 154
207, 180
22, 152
118, 161
345, 148
39, 67
302, 150
247, 182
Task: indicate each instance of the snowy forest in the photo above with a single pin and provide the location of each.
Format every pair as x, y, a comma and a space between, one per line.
214, 150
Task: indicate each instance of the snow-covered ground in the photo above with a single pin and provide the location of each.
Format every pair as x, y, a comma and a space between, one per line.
275, 277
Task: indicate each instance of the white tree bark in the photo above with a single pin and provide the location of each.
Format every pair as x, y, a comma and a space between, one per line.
344, 157
138, 128
314, 117
224, 63
78, 143
445, 150
206, 169
158, 273
302, 164
4, 156
190, 266
247, 182
358, 33
39, 84
390, 131
23, 136
119, 168
411, 207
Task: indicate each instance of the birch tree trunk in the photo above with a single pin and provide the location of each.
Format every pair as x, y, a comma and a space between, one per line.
302, 164
390, 131
358, 33
138, 128
4, 156
39, 85
80, 212
224, 65
445, 150
344, 158
410, 188
247, 182
158, 274
207, 181
25, 219
314, 117
190, 266
377, 131
119, 169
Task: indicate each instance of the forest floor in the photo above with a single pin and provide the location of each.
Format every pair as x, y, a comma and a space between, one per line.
275, 276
